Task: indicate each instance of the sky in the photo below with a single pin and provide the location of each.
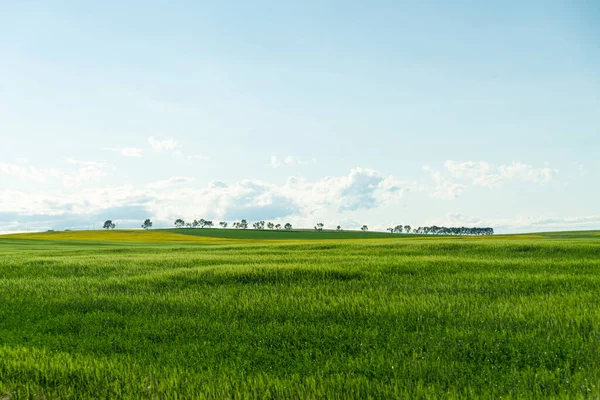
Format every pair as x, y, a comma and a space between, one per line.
462, 113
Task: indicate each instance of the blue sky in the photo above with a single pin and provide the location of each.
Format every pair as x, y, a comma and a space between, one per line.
378, 113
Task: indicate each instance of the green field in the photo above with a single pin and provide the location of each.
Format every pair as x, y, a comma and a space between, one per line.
203, 314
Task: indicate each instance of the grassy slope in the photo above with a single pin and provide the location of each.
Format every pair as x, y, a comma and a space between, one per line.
124, 236
487, 318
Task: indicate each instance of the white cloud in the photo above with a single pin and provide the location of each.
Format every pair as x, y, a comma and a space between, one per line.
483, 174
289, 161
445, 189
173, 181
127, 151
297, 199
527, 173
274, 162
84, 174
163, 145
30, 172
44, 175
580, 168
468, 169
87, 163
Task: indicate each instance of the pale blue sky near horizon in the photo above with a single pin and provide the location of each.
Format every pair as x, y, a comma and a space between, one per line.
420, 112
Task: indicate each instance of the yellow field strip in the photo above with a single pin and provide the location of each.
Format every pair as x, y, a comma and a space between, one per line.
120, 236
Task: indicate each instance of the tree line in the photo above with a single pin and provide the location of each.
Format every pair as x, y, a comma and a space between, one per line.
262, 225
442, 230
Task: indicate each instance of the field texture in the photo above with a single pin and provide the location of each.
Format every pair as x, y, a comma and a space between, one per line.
498, 317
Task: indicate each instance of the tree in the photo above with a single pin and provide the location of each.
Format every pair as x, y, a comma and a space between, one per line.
202, 222
195, 223
270, 225
179, 223
243, 224
278, 226
208, 223
364, 228
339, 227
407, 228
147, 224
398, 229
390, 229
260, 225
288, 226
108, 224
319, 227
188, 224
223, 224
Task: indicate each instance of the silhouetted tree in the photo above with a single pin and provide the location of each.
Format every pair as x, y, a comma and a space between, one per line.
278, 226
147, 224
319, 227
108, 224
288, 226
223, 224
407, 228
259, 225
179, 223
270, 225
364, 228
339, 228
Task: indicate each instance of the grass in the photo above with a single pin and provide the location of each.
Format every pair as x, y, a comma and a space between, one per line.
420, 318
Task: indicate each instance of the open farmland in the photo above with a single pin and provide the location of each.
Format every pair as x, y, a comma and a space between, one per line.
182, 314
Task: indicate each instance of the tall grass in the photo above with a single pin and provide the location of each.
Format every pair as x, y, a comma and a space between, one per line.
414, 319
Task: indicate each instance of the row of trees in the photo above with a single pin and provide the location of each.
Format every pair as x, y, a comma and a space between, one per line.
202, 223
243, 224
261, 225
442, 230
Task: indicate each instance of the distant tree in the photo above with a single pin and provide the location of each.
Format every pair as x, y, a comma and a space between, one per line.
147, 224
278, 226
202, 222
195, 223
179, 223
407, 228
209, 224
188, 224
108, 224
259, 225
339, 228
364, 228
398, 229
390, 229
288, 226
223, 224
319, 227
270, 225
243, 224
